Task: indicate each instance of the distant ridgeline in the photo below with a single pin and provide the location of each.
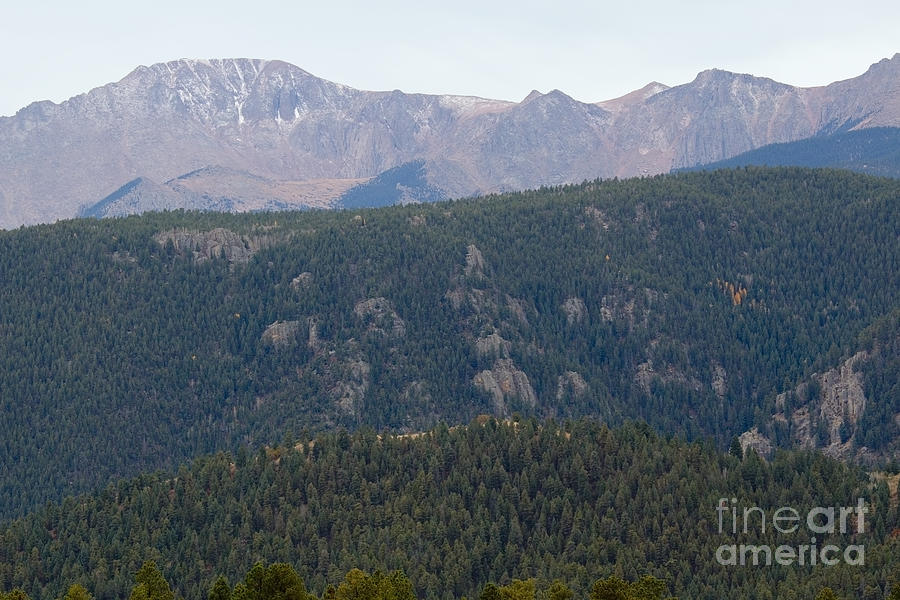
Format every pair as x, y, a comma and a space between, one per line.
519, 503
228, 190
692, 302
874, 151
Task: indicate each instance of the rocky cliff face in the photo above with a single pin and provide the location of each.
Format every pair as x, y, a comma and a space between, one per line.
206, 245
273, 120
835, 401
503, 381
822, 412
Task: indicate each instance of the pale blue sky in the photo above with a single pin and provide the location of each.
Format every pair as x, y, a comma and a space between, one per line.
591, 50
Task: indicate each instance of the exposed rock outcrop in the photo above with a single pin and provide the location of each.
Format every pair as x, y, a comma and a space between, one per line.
646, 373
836, 402
281, 333
830, 407
505, 382
575, 310
719, 380
216, 243
571, 385
474, 262
349, 392
473, 288
301, 281
843, 398
757, 441
629, 305
517, 308
492, 346
380, 317
456, 297
598, 217
313, 341
482, 325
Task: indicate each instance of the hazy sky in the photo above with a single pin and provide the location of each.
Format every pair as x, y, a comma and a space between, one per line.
591, 50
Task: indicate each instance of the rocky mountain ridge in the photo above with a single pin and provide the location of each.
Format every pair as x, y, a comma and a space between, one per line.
274, 120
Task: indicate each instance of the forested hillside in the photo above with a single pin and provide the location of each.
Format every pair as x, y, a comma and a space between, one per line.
874, 151
456, 508
688, 301
400, 185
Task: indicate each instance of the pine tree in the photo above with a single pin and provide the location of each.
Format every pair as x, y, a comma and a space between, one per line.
77, 592
559, 591
895, 592
736, 450
220, 590
490, 592
150, 584
611, 588
826, 594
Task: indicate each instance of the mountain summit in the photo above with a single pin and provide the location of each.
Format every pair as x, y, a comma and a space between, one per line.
274, 120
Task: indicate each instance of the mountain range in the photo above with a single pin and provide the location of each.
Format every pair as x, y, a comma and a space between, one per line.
270, 125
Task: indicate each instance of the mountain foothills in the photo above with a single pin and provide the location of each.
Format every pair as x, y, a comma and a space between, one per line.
221, 189
521, 504
759, 303
266, 134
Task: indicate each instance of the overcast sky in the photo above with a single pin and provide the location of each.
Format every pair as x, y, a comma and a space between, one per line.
591, 50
